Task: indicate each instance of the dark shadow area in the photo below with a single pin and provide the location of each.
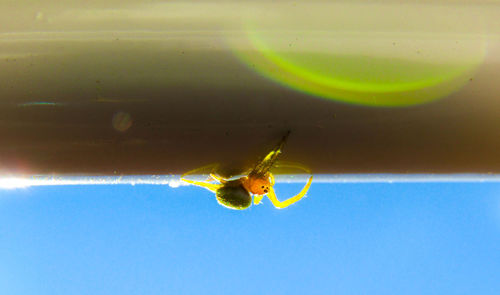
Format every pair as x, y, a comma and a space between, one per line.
126, 110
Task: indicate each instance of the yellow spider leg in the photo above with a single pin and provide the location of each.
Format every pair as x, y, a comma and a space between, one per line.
210, 186
292, 165
217, 177
280, 205
257, 199
263, 166
210, 167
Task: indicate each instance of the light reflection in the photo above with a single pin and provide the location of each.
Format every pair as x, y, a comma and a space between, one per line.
365, 54
121, 121
14, 182
173, 181
39, 103
364, 69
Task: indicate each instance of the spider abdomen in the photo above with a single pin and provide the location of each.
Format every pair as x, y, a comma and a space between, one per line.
233, 195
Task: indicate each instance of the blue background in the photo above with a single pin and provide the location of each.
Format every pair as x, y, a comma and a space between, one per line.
399, 238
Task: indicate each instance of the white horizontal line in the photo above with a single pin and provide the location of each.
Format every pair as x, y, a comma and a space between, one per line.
7, 182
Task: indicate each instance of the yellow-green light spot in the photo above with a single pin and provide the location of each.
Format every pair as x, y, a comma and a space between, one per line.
377, 74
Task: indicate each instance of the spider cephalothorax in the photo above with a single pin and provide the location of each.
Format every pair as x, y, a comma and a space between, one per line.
237, 193
257, 185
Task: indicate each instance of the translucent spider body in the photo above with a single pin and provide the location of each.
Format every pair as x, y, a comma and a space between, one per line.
237, 194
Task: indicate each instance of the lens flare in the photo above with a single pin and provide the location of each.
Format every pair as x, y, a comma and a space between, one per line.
121, 121
365, 70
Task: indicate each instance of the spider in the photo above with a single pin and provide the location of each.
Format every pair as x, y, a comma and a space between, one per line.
237, 193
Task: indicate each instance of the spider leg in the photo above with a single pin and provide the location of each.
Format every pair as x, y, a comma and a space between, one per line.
257, 199
210, 167
265, 164
271, 179
218, 178
292, 165
205, 184
283, 204
210, 186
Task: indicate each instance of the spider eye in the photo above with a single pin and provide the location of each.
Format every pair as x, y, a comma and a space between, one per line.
262, 186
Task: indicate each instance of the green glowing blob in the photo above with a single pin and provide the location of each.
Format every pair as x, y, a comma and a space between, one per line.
366, 76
